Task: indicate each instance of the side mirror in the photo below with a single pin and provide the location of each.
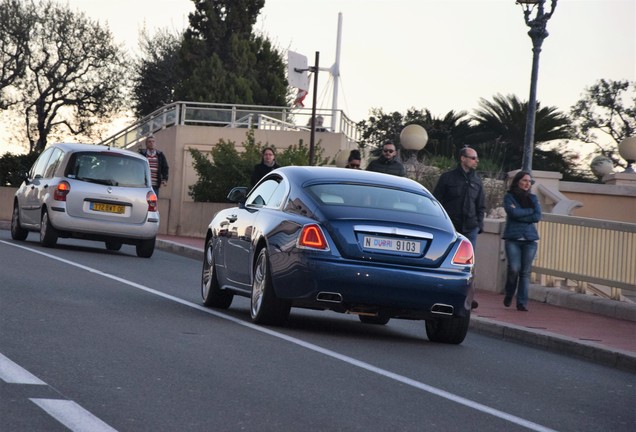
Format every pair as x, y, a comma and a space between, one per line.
237, 194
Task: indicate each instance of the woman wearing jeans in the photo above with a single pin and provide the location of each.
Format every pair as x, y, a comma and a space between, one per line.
522, 213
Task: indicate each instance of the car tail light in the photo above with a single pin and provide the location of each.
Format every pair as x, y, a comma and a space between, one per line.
61, 190
464, 254
312, 237
151, 197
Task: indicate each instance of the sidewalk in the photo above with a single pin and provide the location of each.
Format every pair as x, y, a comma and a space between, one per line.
595, 329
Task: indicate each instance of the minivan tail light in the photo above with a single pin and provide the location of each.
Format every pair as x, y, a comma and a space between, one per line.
61, 190
465, 254
312, 237
151, 197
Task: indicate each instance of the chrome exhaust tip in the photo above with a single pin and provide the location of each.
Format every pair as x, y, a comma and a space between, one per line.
442, 309
330, 297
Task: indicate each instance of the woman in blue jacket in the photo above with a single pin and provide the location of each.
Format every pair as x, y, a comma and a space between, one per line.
522, 213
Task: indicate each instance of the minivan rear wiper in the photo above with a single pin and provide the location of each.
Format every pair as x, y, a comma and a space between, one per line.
109, 182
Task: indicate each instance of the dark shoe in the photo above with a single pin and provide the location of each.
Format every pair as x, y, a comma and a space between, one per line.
474, 305
522, 308
507, 301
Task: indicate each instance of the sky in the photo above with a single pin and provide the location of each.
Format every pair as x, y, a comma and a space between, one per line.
440, 55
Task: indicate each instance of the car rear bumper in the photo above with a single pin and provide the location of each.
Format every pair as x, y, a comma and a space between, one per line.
102, 229
351, 286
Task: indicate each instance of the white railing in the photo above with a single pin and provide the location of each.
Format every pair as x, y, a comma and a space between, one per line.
588, 251
226, 115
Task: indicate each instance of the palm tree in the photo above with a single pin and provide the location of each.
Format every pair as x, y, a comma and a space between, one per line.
500, 126
445, 134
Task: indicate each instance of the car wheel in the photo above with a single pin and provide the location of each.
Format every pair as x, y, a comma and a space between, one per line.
145, 248
17, 232
48, 234
113, 245
266, 308
378, 319
213, 295
450, 330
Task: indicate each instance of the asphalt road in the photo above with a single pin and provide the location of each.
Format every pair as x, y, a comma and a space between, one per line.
92, 340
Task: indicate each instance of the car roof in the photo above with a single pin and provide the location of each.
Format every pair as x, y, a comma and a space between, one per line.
77, 147
306, 175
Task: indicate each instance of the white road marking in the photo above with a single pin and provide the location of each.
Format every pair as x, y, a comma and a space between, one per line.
72, 415
350, 360
13, 373
67, 412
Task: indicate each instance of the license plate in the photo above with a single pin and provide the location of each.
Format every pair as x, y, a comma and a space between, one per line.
392, 244
108, 208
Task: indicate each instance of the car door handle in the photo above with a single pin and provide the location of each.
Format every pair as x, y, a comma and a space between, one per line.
232, 218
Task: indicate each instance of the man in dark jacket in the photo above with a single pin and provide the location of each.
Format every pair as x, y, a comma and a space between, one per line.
461, 192
387, 163
158, 164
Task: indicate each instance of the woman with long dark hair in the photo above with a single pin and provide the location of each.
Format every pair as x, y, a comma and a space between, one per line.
522, 213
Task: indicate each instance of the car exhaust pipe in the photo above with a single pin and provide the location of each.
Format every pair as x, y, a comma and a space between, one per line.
330, 297
442, 309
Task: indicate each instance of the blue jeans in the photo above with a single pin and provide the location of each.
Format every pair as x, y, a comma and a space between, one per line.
520, 254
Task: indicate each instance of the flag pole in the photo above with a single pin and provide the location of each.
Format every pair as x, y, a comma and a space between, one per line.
312, 136
335, 73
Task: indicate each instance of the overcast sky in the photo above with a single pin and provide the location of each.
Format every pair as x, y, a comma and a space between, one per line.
437, 54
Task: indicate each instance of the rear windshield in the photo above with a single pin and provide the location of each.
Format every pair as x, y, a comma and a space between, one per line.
368, 196
108, 168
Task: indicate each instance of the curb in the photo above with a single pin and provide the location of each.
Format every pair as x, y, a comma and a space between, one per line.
180, 249
556, 343
583, 303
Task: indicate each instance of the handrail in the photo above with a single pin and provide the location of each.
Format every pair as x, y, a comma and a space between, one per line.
229, 115
587, 250
562, 204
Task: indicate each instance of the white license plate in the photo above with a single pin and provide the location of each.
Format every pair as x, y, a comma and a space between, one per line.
392, 244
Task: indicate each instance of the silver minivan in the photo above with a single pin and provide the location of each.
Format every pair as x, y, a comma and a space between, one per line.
88, 192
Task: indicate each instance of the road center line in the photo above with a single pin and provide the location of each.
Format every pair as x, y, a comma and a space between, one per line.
72, 415
346, 359
13, 373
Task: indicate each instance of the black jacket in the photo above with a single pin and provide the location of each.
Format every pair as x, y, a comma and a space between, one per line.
387, 166
462, 196
261, 170
162, 172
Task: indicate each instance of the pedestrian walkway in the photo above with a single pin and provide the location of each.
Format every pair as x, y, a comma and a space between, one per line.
600, 330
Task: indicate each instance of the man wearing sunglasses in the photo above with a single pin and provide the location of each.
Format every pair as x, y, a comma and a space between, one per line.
461, 192
388, 162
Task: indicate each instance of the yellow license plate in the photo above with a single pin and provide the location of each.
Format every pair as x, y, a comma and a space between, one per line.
108, 208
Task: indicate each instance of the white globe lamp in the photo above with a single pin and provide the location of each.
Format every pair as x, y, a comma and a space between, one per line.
627, 150
413, 137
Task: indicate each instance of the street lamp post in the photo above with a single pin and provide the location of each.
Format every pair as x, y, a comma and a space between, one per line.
537, 33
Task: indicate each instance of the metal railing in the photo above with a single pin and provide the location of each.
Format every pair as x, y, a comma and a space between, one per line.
588, 251
226, 115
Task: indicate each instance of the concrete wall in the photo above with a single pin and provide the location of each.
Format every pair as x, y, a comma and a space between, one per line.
490, 263
602, 201
6, 202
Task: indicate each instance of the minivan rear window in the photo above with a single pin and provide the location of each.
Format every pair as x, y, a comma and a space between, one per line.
108, 168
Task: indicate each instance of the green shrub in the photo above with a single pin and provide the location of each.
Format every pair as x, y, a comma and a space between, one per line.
225, 168
14, 167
